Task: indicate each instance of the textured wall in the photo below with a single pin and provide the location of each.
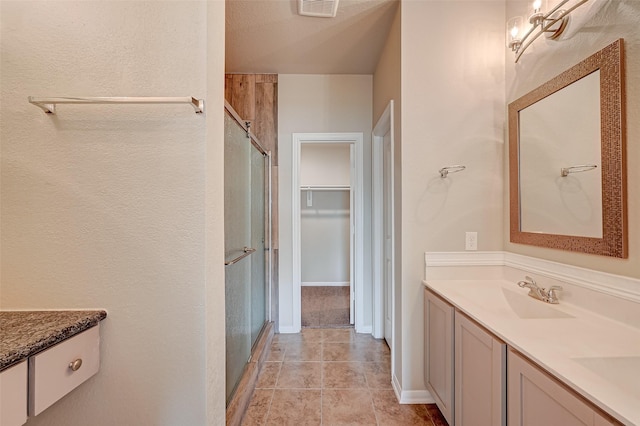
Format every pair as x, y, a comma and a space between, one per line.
546, 59
452, 113
104, 206
319, 104
386, 87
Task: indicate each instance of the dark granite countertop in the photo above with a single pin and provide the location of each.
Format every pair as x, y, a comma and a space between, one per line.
25, 333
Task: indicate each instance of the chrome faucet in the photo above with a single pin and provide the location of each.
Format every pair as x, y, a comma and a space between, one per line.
548, 296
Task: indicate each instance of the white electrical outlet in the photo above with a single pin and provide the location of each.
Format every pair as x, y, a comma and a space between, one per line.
471, 241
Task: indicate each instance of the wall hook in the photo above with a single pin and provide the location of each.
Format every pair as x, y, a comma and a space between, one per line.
444, 172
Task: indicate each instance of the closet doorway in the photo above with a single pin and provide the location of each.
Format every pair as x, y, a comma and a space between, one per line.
327, 229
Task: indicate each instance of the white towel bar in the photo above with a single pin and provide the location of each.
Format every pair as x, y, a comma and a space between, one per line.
48, 105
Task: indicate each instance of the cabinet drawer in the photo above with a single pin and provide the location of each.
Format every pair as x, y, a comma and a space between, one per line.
13, 395
52, 375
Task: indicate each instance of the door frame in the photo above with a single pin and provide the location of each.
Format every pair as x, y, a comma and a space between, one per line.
384, 125
357, 189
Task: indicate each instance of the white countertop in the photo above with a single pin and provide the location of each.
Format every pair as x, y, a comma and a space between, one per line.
595, 355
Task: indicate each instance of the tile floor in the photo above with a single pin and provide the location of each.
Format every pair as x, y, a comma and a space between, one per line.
331, 377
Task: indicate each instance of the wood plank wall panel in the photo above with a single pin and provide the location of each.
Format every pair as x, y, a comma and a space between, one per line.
240, 92
266, 113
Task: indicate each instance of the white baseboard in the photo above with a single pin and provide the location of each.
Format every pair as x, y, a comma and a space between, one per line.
288, 330
411, 397
325, 284
627, 288
367, 329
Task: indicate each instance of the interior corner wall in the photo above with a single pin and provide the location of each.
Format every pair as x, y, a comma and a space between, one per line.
104, 206
453, 110
546, 59
215, 327
318, 104
386, 87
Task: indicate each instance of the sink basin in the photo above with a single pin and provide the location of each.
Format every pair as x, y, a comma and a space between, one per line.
527, 307
621, 371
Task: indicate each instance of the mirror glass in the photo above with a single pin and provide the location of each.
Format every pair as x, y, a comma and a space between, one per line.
566, 167
553, 201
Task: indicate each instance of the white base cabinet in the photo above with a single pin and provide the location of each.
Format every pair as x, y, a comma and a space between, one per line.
535, 398
29, 388
13, 395
480, 376
57, 371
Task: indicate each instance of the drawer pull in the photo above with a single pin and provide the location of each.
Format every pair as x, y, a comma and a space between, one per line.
75, 365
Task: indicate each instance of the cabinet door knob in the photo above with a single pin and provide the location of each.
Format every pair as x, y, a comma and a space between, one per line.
75, 365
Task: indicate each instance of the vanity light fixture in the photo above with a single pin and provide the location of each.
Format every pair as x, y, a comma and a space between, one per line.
551, 23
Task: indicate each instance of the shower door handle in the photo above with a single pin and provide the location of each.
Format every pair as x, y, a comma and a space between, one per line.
245, 252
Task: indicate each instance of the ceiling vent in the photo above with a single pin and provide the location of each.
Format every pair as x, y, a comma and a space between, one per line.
318, 8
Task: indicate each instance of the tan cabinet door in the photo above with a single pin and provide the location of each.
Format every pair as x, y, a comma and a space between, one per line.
438, 350
534, 398
480, 376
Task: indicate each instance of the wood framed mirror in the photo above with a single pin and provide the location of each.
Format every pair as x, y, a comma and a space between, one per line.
567, 166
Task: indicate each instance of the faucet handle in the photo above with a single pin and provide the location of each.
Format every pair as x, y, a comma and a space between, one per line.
552, 296
528, 282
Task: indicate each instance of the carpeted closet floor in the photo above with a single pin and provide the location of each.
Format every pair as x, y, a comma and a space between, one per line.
325, 306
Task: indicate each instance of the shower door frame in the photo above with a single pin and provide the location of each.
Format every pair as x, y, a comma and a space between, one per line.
268, 238
268, 255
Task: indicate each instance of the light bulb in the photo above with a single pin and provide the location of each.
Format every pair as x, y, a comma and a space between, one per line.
537, 4
514, 29
536, 14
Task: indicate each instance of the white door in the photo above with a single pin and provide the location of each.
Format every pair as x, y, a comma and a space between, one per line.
387, 218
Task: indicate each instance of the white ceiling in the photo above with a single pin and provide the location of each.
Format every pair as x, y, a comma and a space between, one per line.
268, 36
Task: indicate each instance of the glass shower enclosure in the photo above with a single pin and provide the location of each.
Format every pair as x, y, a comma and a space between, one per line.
247, 198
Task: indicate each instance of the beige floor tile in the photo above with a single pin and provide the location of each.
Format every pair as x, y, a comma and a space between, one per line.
258, 408
312, 334
295, 407
303, 351
378, 375
390, 413
299, 375
268, 375
436, 416
337, 335
339, 352
276, 352
372, 351
354, 373
343, 375
347, 407
287, 338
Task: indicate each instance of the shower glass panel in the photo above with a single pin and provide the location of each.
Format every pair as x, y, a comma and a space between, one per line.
245, 215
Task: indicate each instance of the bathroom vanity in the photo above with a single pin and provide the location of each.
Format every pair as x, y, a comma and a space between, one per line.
494, 355
43, 356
